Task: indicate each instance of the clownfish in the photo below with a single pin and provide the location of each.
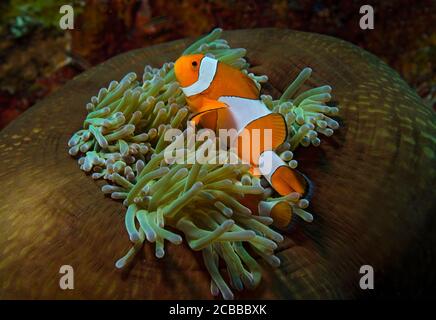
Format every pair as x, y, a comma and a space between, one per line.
222, 97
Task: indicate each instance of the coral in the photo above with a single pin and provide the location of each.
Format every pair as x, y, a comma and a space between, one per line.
123, 140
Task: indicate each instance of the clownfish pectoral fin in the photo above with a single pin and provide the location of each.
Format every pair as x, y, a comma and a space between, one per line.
207, 106
282, 178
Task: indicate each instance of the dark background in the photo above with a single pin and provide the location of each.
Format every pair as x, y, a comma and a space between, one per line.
37, 57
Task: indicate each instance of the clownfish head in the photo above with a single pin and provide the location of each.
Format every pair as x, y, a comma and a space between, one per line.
195, 73
187, 69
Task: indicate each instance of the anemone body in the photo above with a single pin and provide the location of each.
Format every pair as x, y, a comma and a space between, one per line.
123, 141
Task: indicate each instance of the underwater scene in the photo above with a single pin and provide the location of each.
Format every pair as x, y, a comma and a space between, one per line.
197, 151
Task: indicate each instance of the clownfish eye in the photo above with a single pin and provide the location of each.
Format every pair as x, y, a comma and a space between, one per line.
194, 63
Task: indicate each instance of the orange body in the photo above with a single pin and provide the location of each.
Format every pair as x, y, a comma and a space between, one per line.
204, 87
227, 81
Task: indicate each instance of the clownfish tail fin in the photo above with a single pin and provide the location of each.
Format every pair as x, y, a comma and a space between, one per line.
283, 178
286, 180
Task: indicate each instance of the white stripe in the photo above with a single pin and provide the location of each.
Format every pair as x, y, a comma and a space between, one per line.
240, 113
269, 162
205, 77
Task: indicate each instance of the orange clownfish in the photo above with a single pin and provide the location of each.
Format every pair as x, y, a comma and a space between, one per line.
222, 97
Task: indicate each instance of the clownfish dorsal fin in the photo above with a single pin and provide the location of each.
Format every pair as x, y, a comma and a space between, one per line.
273, 121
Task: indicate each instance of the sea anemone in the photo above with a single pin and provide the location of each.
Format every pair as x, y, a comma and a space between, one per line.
123, 141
